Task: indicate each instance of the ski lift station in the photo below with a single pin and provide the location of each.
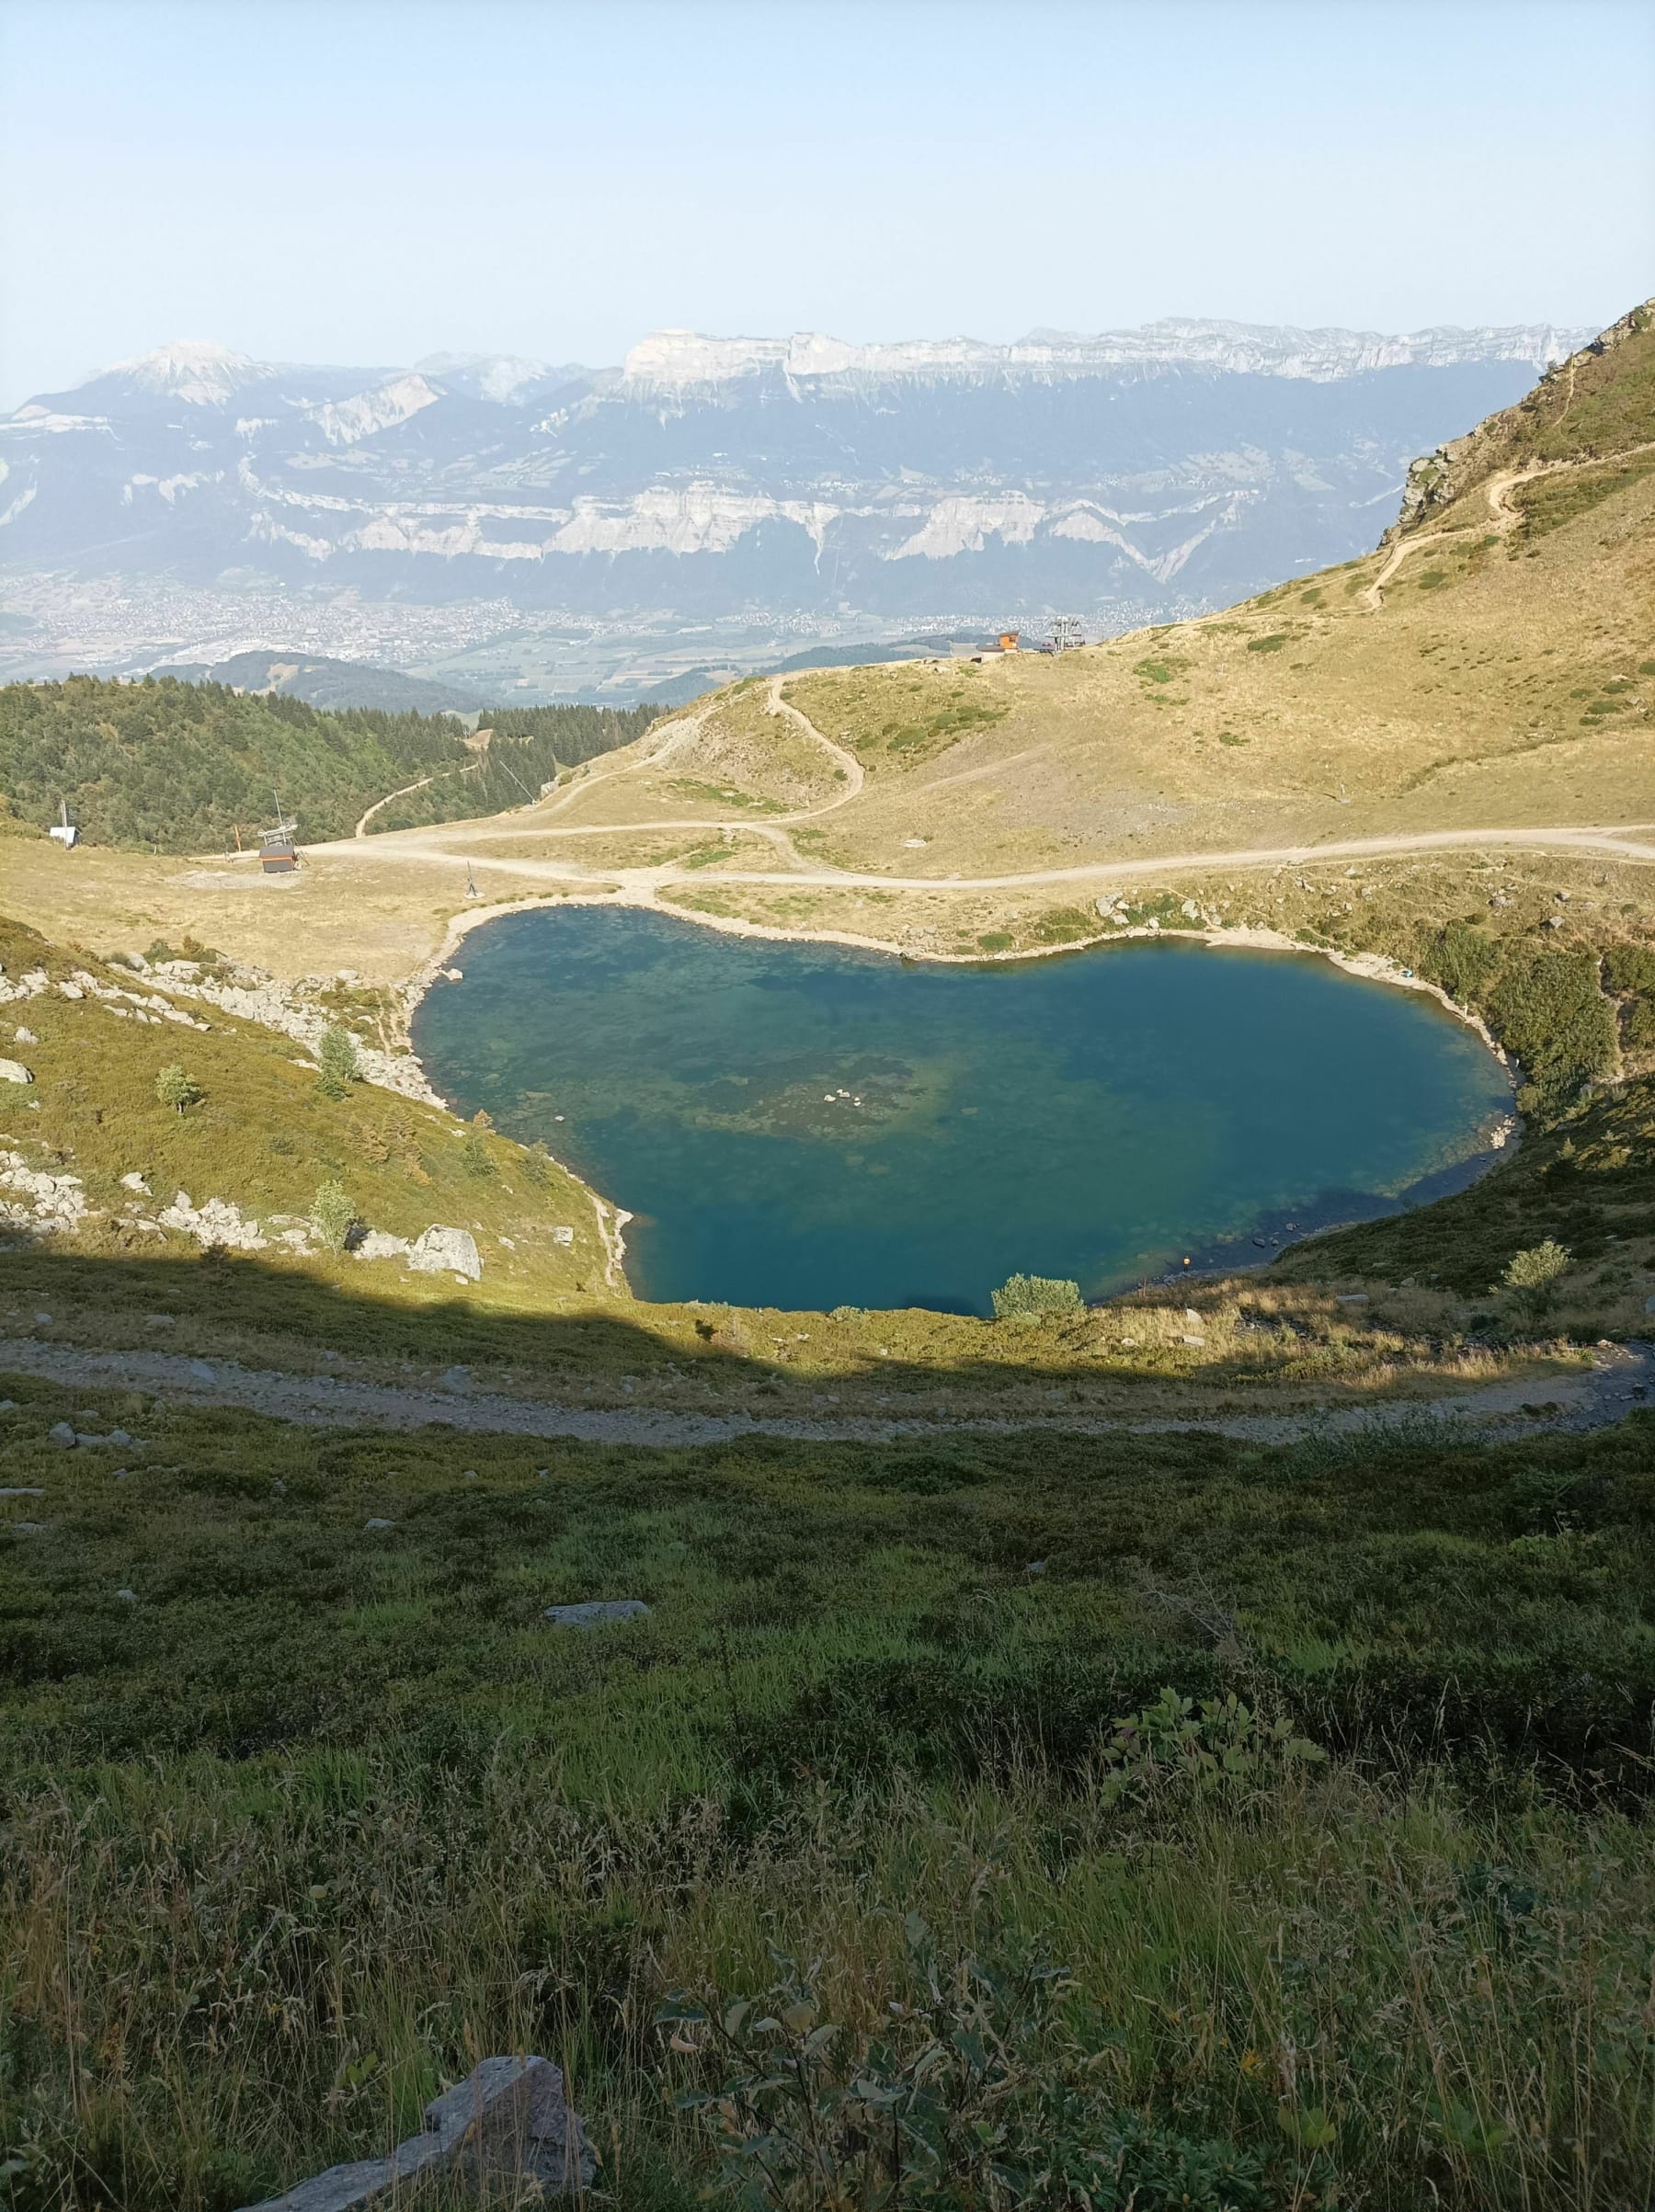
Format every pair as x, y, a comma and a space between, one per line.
279, 848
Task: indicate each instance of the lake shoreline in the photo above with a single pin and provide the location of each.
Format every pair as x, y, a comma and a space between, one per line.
1488, 1147
1372, 967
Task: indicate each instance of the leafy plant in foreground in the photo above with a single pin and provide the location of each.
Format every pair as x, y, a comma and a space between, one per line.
1220, 1742
982, 2088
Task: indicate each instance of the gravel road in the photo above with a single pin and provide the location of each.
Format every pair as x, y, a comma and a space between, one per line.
1622, 1378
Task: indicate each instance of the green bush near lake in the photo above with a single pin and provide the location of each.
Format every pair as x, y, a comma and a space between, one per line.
1027, 1297
304, 1814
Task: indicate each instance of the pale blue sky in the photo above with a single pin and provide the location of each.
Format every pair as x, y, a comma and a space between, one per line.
363, 181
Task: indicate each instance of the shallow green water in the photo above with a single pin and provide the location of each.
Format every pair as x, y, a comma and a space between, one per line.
809, 1125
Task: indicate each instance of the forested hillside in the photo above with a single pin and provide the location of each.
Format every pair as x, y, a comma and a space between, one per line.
527, 745
178, 767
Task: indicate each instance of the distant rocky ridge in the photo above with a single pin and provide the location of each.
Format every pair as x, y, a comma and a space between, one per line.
1123, 477
676, 358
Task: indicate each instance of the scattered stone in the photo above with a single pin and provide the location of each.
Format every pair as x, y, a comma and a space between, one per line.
564, 1236
1352, 1298
379, 1244
1197, 1342
22, 1492
127, 1597
120, 1474
42, 1320
279, 1487
44, 1201
14, 1071
1036, 1566
1649, 1306
8, 1404
441, 1251
377, 1522
25, 1036
454, 1378
135, 1181
218, 1221
201, 1373
62, 1434
471, 1474
595, 1612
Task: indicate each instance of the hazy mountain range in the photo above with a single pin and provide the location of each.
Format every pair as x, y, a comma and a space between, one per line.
1121, 477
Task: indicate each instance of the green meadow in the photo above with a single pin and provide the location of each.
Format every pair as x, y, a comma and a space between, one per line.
1128, 1821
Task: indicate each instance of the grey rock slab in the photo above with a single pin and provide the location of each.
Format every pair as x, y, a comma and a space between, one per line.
14, 1071
377, 1522
441, 1251
595, 1612
507, 2122
22, 1492
62, 1434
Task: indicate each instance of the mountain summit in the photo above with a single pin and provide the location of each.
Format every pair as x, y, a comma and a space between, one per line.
196, 370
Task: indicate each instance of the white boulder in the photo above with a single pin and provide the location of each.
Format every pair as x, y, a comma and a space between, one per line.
440, 1251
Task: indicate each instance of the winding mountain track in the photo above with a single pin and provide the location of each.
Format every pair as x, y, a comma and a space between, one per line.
1503, 518
854, 773
1620, 1378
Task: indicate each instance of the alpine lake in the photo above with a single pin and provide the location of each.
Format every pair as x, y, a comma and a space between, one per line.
801, 1125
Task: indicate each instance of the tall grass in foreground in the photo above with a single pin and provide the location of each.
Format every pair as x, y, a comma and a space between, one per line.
839, 1880
1300, 1987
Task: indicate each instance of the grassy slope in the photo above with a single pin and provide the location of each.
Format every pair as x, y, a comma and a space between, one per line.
265, 1138
1503, 681
321, 1812
1600, 402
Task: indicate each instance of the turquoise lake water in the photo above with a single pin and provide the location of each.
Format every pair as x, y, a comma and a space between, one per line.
811, 1126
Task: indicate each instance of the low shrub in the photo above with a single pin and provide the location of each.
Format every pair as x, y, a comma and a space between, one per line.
1032, 1297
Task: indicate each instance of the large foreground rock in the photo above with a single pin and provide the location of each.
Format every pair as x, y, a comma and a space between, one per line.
440, 1251
508, 2122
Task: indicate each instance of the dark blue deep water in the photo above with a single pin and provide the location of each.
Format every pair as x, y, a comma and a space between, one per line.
810, 1126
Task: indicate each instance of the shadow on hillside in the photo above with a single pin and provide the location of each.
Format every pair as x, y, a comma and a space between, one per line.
266, 1317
